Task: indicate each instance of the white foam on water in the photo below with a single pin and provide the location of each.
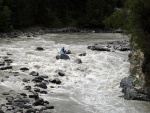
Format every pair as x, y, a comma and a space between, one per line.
94, 84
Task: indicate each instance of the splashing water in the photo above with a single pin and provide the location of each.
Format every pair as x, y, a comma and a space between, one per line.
90, 87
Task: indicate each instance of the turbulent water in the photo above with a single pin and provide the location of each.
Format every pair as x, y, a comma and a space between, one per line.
90, 87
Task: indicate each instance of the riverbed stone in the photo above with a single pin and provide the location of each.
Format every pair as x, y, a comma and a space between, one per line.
6, 67
55, 81
24, 69
33, 73
31, 110
39, 102
60, 73
41, 85
82, 54
27, 87
78, 61
39, 49
25, 80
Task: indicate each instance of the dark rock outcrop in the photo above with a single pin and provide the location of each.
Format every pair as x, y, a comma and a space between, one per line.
130, 92
82, 54
60, 73
98, 48
24, 69
41, 85
55, 81
78, 61
39, 49
33, 73
6, 67
39, 102
38, 79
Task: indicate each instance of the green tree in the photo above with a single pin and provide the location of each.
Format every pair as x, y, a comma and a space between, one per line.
5, 19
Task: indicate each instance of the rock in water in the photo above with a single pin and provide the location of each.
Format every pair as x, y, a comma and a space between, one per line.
78, 61
39, 49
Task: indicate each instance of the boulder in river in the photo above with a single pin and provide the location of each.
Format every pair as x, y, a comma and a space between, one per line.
130, 92
98, 48
55, 81
78, 61
24, 69
82, 54
41, 85
33, 73
5, 67
39, 49
60, 72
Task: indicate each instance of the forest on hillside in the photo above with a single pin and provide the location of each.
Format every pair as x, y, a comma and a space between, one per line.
17, 14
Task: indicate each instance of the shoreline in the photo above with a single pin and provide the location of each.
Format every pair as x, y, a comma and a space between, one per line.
35, 31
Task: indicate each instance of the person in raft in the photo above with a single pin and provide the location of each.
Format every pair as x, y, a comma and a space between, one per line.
63, 51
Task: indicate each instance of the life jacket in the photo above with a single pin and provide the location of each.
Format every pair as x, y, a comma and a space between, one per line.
62, 52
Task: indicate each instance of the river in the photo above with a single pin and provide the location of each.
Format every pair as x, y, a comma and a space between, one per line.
90, 87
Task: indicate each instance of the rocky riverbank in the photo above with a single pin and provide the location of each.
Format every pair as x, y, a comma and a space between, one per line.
136, 86
35, 31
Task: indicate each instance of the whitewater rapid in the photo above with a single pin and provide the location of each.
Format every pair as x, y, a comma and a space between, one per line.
90, 87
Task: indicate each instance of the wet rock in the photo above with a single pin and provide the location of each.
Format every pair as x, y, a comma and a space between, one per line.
31, 111
23, 94
39, 49
8, 60
147, 90
9, 108
36, 89
31, 96
2, 63
57, 57
9, 98
78, 61
16, 75
33, 73
130, 92
38, 79
55, 81
5, 67
18, 110
46, 102
98, 48
9, 103
126, 82
41, 85
43, 92
50, 107
24, 69
1, 111
124, 49
25, 80
6, 76
5, 93
60, 73
39, 102
27, 87
9, 53
44, 76
82, 54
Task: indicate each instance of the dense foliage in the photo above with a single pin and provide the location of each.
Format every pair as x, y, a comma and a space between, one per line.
134, 18
55, 13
